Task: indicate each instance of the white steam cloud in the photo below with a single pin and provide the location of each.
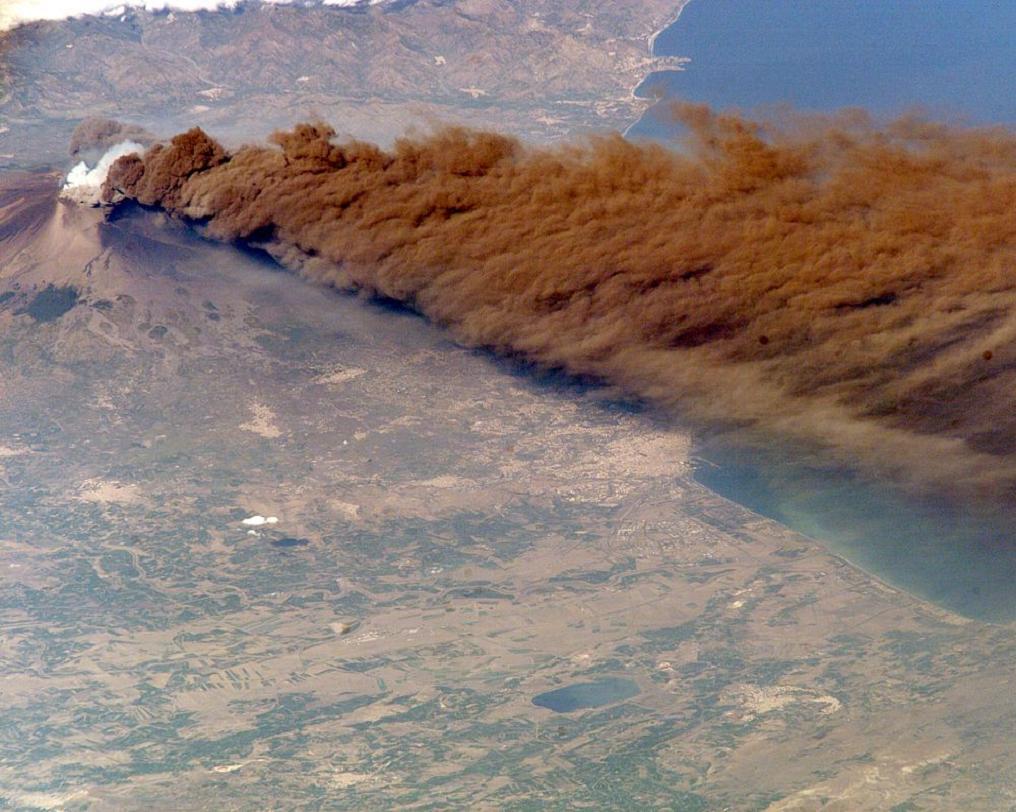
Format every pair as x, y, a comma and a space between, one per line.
83, 185
16, 12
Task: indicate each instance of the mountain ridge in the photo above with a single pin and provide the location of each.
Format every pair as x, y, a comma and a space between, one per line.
540, 69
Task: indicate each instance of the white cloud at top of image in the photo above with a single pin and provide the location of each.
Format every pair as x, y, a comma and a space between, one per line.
16, 12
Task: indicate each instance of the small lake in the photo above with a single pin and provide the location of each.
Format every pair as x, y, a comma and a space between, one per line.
953, 59
585, 695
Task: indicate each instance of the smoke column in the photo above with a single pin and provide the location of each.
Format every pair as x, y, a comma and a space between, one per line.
84, 185
826, 278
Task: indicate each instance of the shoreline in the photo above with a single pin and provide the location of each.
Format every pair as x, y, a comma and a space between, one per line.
823, 545
826, 548
303, 266
651, 46
651, 42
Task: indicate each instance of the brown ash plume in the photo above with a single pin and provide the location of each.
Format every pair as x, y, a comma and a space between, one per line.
95, 135
827, 279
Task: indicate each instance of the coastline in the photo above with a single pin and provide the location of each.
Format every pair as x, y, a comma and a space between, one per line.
826, 546
673, 63
898, 592
456, 538
651, 42
309, 269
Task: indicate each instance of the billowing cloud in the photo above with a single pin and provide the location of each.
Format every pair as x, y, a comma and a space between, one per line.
84, 183
827, 278
94, 135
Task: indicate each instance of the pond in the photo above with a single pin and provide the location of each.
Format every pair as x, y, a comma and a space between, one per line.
585, 695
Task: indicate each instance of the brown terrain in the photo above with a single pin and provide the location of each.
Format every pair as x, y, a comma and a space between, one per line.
851, 285
452, 541
537, 68
455, 536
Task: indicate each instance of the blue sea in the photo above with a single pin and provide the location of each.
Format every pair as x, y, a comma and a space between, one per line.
952, 59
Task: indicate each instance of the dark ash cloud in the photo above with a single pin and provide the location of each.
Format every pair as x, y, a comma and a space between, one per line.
827, 278
94, 135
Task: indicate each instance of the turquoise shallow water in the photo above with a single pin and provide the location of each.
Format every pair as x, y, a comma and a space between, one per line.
959, 556
954, 59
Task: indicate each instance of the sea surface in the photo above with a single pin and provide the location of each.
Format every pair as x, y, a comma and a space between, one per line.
957, 555
952, 60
